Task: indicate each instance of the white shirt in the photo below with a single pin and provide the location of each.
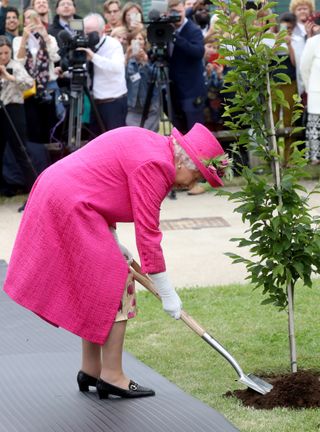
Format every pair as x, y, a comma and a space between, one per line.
182, 25
33, 47
310, 73
298, 41
12, 91
109, 70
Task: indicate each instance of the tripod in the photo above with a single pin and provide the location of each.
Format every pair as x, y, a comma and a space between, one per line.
160, 77
79, 88
19, 150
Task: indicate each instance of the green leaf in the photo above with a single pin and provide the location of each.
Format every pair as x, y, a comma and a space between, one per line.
267, 301
299, 268
284, 77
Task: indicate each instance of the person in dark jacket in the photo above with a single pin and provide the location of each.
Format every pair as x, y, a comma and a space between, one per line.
186, 70
65, 12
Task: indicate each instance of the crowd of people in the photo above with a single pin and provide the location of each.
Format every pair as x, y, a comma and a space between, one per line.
123, 67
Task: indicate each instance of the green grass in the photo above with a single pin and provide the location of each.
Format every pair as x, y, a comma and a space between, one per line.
255, 335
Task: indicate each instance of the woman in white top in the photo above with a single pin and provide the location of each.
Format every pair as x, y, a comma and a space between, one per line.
38, 52
14, 79
310, 72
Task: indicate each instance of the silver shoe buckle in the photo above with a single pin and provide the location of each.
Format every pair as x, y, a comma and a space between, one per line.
133, 386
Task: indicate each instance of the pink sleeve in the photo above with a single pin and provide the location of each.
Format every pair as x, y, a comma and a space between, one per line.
149, 185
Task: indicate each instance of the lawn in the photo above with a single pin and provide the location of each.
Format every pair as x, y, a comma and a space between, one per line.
255, 335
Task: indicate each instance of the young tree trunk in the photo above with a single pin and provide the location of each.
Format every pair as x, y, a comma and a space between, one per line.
292, 338
272, 138
277, 179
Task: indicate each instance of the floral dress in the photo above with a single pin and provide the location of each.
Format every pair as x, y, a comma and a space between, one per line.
127, 308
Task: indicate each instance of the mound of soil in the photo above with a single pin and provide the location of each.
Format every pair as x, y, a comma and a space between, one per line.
295, 390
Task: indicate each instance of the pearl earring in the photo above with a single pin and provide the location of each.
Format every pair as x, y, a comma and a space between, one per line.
179, 166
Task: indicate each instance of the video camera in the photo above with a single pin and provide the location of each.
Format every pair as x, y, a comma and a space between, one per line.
71, 57
160, 29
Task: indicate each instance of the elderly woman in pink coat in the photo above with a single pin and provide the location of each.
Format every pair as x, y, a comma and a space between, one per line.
67, 265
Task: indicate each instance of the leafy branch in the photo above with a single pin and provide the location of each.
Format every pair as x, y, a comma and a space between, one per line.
283, 237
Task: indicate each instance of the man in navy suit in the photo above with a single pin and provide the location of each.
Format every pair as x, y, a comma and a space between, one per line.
186, 70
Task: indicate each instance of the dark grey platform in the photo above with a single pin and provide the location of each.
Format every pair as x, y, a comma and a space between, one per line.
38, 391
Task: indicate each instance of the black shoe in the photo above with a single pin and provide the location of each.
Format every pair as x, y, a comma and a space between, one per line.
172, 195
84, 381
134, 390
21, 209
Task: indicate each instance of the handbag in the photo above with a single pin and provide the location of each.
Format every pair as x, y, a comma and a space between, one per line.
32, 91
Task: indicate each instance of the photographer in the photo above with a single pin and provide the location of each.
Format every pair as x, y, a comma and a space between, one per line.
13, 81
186, 70
109, 84
38, 51
131, 17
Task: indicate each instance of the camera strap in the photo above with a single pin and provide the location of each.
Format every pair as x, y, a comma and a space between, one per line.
90, 64
100, 44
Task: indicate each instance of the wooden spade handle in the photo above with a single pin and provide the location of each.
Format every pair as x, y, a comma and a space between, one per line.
147, 283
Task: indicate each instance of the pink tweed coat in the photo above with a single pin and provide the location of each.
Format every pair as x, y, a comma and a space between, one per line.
66, 266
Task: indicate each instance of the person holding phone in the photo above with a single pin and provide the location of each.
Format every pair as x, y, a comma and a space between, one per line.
14, 79
132, 16
38, 52
139, 74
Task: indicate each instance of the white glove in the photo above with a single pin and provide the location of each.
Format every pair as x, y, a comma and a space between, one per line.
125, 252
171, 302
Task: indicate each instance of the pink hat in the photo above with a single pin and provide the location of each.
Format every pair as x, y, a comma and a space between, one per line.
200, 144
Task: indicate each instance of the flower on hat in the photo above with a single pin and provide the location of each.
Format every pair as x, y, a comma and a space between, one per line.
220, 165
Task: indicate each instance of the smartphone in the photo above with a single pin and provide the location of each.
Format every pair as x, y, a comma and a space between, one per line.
135, 18
33, 17
135, 46
283, 27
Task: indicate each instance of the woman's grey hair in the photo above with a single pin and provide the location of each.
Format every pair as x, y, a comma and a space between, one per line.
4, 41
95, 16
182, 156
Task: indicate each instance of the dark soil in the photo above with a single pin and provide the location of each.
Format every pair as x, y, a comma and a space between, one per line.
295, 390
